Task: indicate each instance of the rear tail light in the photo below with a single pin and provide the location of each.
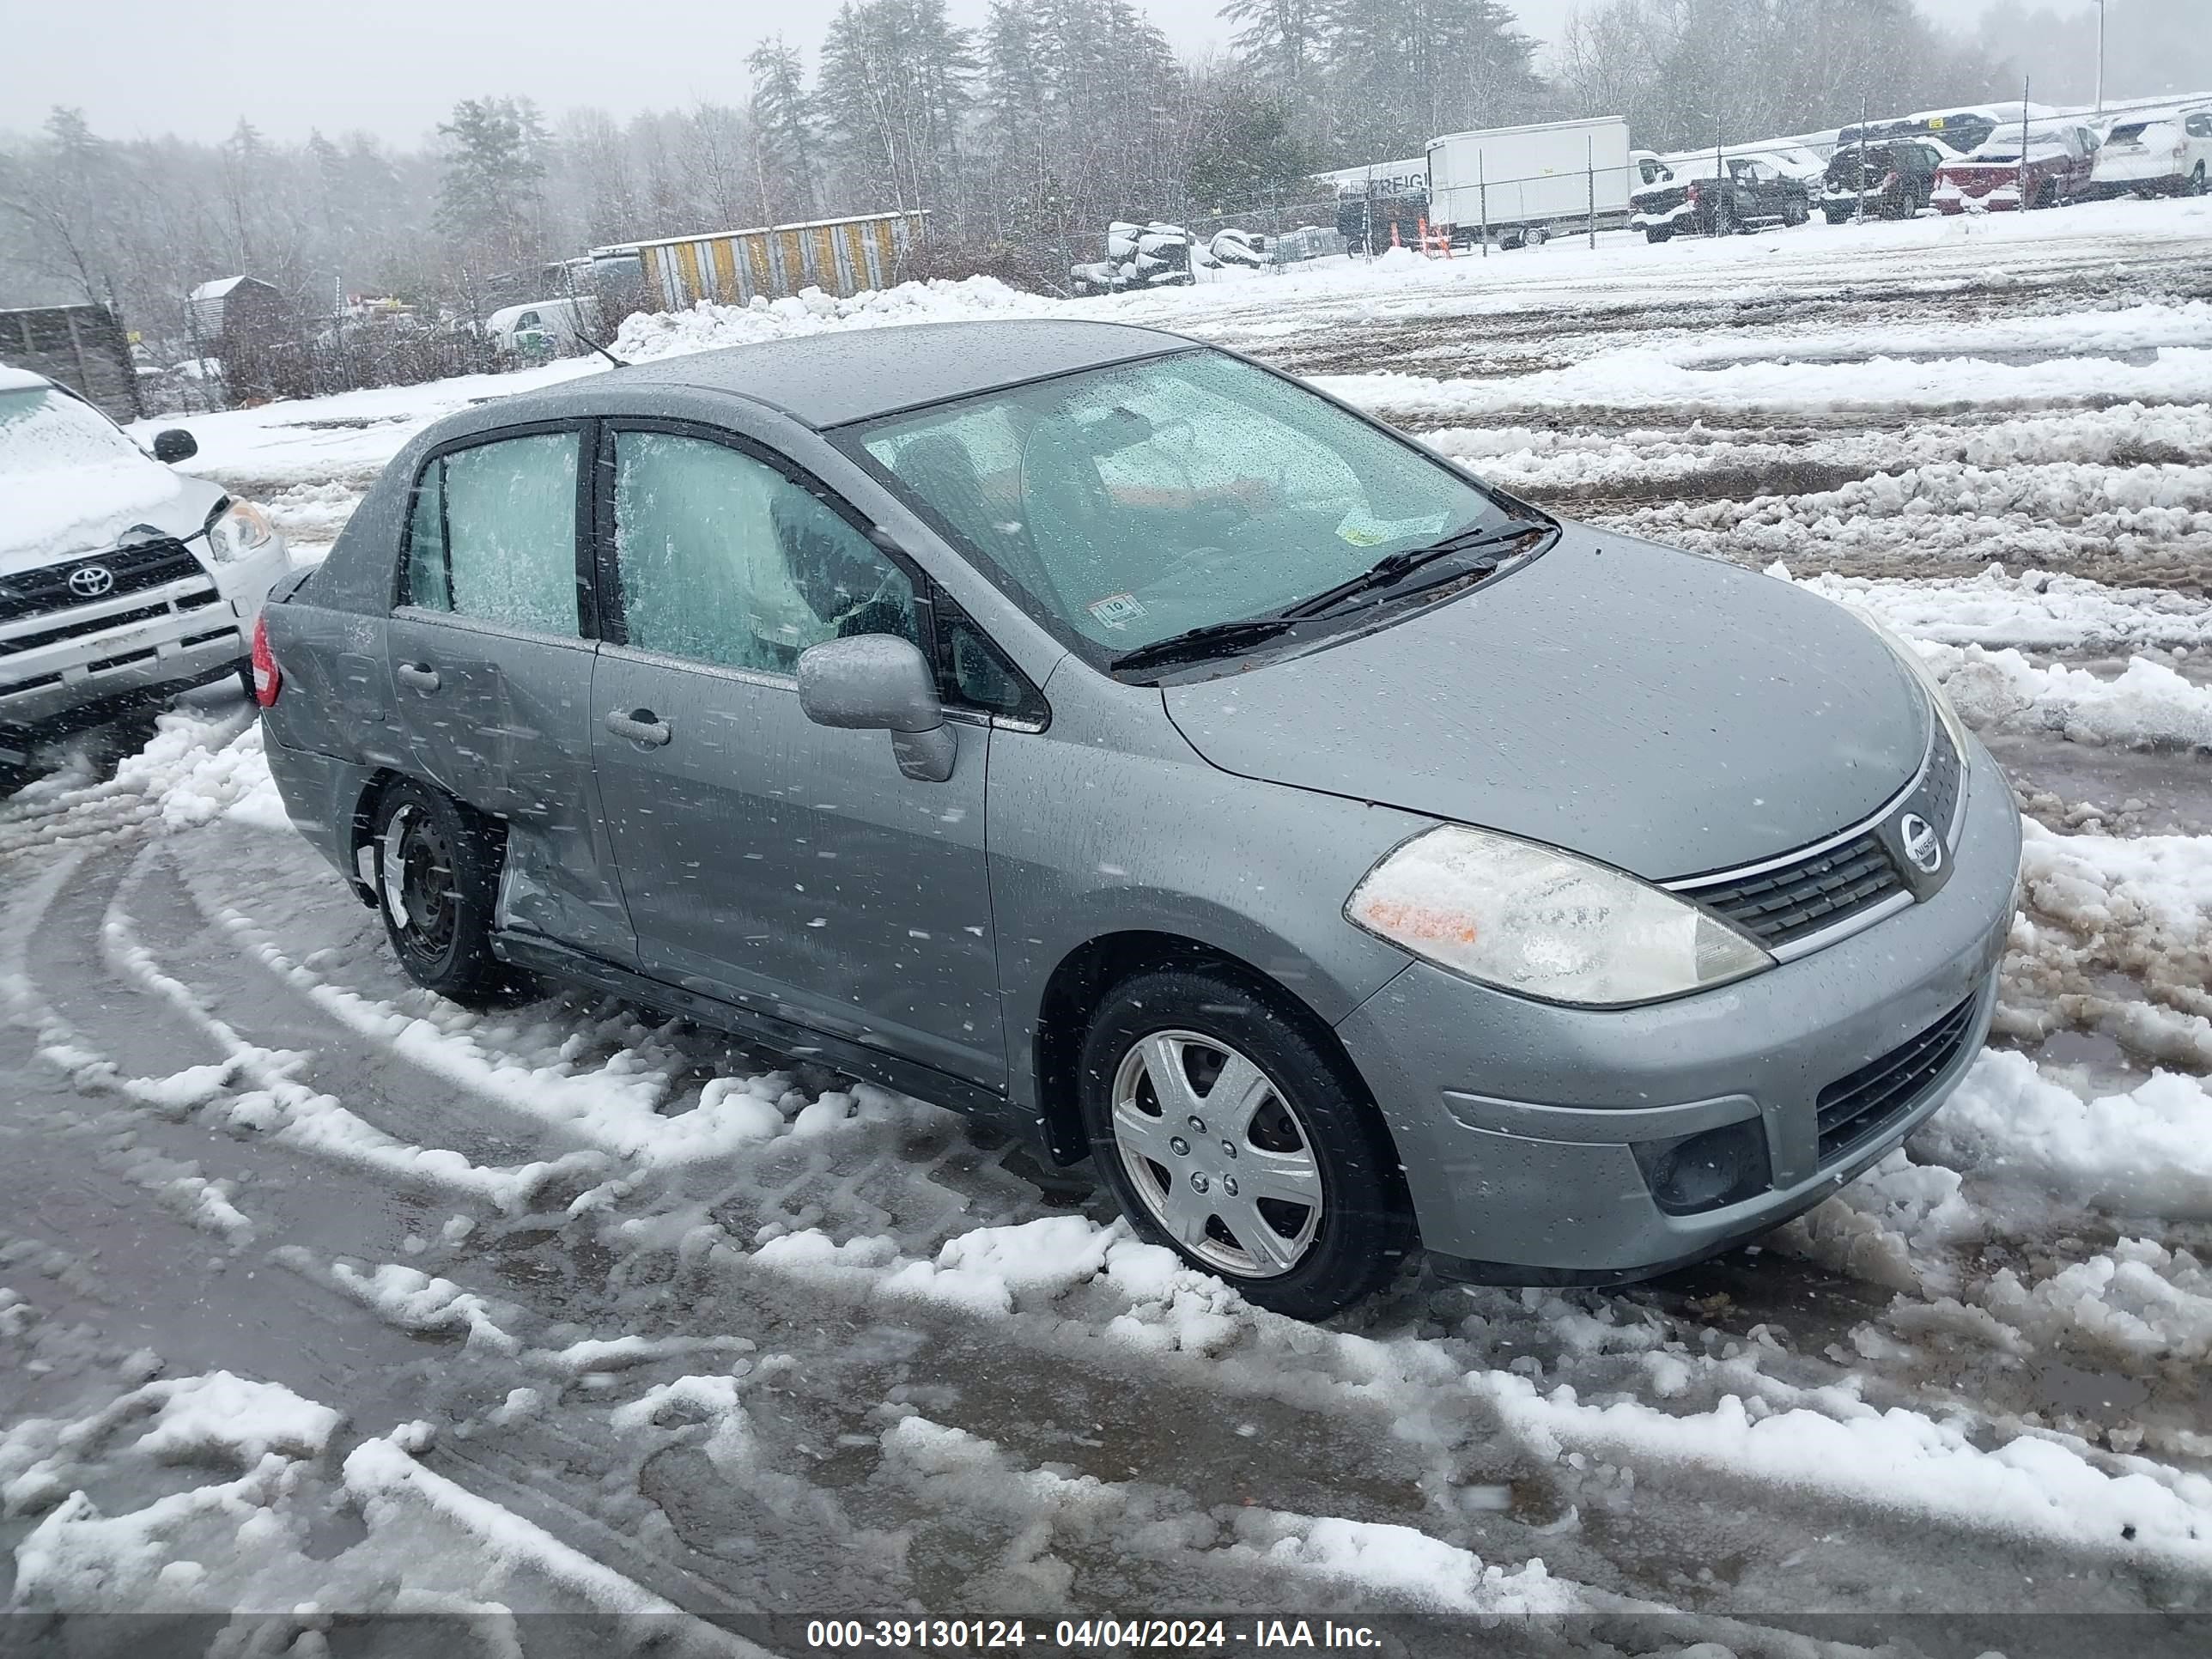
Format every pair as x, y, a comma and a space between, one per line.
1887, 179
267, 680
1694, 195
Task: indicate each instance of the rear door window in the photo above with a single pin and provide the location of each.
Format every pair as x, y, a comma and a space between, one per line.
492, 534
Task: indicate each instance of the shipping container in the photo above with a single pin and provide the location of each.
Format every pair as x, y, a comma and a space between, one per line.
838, 256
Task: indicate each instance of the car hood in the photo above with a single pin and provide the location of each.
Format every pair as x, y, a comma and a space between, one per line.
1667, 713
47, 514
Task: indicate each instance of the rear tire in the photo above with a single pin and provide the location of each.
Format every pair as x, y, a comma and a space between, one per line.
1198, 1088
438, 865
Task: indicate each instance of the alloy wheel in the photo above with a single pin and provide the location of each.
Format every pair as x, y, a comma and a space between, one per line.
419, 890
1216, 1154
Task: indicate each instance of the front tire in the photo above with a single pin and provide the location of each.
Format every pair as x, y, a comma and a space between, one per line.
1658, 232
2196, 185
1229, 1134
438, 881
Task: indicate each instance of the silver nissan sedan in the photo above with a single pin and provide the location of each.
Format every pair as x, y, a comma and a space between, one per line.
1111, 737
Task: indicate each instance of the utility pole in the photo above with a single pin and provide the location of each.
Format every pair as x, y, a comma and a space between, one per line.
1863, 108
2021, 173
2101, 57
1589, 150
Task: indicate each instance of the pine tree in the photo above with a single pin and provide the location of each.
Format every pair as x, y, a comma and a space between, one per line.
488, 197
784, 137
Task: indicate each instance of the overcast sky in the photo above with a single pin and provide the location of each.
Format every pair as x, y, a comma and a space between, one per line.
396, 67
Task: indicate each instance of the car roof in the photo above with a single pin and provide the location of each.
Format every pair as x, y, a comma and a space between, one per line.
855, 375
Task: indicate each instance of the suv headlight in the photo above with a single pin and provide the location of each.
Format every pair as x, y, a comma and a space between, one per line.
238, 530
1529, 919
1954, 727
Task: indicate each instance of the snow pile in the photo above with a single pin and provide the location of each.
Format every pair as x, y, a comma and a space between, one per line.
2147, 706
533, 1063
2097, 906
1645, 378
2146, 1152
2139, 1300
2119, 512
1896, 1461
1894, 1226
708, 327
196, 1417
988, 1269
2034, 610
1425, 1571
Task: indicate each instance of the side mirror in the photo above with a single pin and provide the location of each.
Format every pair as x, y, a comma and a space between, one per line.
175, 445
879, 682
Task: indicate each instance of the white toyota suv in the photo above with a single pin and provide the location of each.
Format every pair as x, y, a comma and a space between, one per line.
120, 580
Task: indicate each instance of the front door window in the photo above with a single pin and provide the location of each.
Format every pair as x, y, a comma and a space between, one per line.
722, 559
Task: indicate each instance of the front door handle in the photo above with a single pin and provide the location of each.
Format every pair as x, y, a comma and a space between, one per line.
420, 675
640, 725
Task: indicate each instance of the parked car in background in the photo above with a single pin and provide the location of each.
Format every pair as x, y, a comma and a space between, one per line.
1792, 161
1961, 129
1081, 726
121, 580
544, 328
1889, 179
1751, 193
2059, 161
2156, 156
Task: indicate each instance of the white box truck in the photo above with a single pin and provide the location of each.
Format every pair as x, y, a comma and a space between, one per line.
1523, 185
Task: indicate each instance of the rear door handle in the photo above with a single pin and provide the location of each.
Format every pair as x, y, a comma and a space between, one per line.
420, 675
640, 725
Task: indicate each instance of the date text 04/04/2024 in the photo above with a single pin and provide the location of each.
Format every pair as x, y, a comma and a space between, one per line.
978, 1635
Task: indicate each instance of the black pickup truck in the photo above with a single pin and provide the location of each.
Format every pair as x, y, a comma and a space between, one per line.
1889, 178
1751, 194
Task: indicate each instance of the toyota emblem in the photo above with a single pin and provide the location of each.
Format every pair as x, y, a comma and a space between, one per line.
1921, 844
89, 581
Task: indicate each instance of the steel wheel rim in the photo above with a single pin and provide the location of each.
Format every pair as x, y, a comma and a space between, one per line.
418, 883
1218, 1154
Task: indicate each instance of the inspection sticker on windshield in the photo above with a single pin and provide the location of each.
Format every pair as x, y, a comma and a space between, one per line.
1365, 530
1116, 609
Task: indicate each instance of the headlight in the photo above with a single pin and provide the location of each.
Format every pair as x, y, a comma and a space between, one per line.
1954, 727
1544, 923
239, 531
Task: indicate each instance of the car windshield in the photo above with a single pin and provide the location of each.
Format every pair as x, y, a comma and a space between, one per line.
1133, 503
44, 430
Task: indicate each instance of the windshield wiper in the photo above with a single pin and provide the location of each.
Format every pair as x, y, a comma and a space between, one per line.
1196, 644
1393, 567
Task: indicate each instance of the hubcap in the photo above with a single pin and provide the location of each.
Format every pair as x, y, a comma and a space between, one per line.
1243, 1192
418, 883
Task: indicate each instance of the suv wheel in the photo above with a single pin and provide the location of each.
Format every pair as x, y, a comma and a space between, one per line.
1230, 1135
2196, 179
438, 865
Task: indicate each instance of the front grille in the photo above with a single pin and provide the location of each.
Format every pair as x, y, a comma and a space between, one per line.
73, 630
1854, 1107
135, 568
1785, 904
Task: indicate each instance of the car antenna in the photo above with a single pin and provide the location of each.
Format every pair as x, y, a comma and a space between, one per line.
607, 354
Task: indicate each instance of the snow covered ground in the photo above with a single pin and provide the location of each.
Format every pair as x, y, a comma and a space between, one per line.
319, 1296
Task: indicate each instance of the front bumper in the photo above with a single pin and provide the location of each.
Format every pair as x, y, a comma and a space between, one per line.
162, 639
1514, 1119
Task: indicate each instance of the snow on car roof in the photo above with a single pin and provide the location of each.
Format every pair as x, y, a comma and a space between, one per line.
19, 379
